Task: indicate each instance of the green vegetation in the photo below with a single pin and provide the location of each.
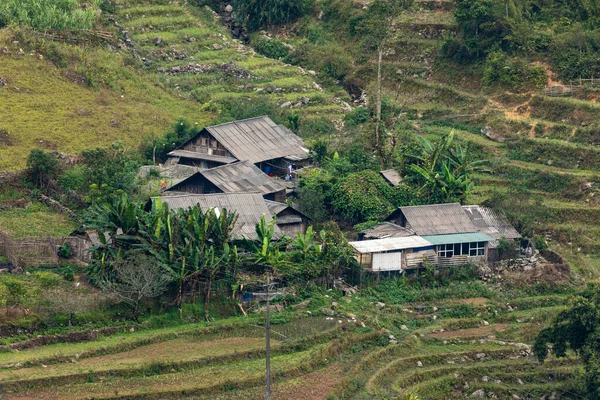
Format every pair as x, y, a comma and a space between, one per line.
49, 14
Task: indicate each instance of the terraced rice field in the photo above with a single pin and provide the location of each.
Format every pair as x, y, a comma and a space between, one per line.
438, 355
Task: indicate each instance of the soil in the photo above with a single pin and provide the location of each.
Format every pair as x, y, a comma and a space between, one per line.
482, 331
313, 386
476, 301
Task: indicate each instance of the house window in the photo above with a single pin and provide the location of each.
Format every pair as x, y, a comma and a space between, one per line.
204, 141
476, 249
446, 250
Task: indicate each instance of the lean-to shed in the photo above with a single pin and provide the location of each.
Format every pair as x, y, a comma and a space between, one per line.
387, 254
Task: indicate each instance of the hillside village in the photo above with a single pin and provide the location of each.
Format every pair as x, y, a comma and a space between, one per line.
299, 199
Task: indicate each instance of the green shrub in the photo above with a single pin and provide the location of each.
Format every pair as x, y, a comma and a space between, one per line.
74, 178
46, 279
271, 48
259, 14
64, 251
512, 73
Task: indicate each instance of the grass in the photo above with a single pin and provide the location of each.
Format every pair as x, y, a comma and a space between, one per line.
36, 220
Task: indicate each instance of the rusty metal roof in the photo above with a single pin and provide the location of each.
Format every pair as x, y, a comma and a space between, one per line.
201, 156
389, 244
248, 206
259, 139
493, 224
386, 230
438, 219
392, 176
242, 176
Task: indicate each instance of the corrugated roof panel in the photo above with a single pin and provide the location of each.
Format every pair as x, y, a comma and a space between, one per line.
491, 223
258, 139
201, 156
458, 238
392, 176
438, 219
242, 176
390, 244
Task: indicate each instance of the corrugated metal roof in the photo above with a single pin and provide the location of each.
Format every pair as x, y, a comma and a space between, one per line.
249, 207
491, 223
276, 208
458, 238
386, 230
259, 139
242, 176
438, 219
392, 176
201, 156
389, 244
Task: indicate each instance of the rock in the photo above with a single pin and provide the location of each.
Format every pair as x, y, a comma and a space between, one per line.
328, 311
228, 8
393, 342
419, 364
485, 323
392, 337
478, 394
435, 317
334, 304
378, 304
435, 309
2, 82
157, 41
339, 321
485, 379
190, 39
489, 133
217, 46
520, 382
403, 327
482, 341
552, 396
480, 356
516, 396
362, 324
287, 104
585, 186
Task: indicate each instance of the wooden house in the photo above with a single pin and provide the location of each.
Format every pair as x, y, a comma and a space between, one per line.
288, 219
493, 224
455, 240
239, 177
272, 148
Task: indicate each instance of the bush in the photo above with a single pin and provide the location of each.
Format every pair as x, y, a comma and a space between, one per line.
362, 196
41, 168
47, 279
512, 73
64, 251
271, 48
257, 14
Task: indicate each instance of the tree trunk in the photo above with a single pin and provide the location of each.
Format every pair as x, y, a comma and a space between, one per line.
378, 143
207, 300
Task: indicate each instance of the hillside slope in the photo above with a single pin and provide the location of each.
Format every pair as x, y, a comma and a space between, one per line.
153, 64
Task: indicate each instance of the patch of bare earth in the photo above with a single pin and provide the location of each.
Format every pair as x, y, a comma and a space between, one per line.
482, 331
475, 301
313, 386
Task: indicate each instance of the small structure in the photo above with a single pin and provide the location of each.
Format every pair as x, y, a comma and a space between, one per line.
239, 177
392, 176
388, 254
250, 207
273, 148
288, 219
494, 225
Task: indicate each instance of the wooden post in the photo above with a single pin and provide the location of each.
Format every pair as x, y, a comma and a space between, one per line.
268, 339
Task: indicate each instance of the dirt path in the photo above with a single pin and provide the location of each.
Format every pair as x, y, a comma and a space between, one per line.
483, 331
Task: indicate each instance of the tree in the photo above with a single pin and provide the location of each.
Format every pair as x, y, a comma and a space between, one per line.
378, 28
578, 329
41, 168
138, 277
69, 302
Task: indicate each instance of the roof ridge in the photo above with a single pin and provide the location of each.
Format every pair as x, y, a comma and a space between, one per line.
225, 165
433, 205
240, 120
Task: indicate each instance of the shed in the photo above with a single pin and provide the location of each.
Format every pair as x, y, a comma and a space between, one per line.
392, 176
387, 254
250, 207
239, 177
288, 219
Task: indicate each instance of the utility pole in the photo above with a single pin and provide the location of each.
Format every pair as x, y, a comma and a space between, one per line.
268, 338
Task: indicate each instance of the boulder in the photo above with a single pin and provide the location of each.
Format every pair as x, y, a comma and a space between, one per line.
480, 356
228, 8
287, 104
378, 304
328, 311
157, 41
403, 327
478, 394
